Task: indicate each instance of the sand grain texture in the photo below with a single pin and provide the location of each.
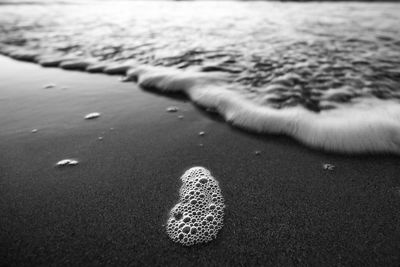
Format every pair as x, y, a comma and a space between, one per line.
282, 207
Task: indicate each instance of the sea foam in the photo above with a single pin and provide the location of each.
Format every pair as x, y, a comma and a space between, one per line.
366, 125
199, 214
312, 74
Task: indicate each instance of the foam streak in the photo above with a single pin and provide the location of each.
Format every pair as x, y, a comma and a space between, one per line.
369, 125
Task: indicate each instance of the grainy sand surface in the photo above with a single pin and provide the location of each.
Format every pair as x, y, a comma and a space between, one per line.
283, 208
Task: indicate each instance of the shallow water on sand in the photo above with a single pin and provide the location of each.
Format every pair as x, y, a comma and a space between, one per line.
278, 54
326, 74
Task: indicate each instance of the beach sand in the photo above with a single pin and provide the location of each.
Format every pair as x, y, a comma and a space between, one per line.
282, 206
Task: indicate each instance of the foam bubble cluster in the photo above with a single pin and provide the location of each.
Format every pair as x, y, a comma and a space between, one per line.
198, 216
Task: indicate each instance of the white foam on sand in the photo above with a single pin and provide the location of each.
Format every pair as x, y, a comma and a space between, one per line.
365, 125
199, 214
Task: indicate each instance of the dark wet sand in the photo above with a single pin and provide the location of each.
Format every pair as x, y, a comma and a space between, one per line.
283, 208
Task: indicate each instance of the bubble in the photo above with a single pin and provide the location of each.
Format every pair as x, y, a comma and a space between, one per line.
186, 229
203, 180
210, 218
178, 216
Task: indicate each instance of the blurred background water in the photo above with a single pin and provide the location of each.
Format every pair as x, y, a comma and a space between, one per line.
278, 53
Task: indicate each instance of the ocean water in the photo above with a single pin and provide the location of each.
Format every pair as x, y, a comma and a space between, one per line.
327, 74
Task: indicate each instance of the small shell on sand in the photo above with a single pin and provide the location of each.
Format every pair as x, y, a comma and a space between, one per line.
67, 162
202, 133
257, 152
34, 130
172, 109
100, 138
329, 167
92, 115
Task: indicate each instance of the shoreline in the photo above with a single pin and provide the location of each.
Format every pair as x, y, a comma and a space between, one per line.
282, 207
373, 127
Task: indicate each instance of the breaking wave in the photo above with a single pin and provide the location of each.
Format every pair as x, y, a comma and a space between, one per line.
299, 73
369, 125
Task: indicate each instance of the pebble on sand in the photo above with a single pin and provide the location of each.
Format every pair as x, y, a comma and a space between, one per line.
100, 138
180, 117
202, 133
172, 109
328, 166
49, 86
67, 162
92, 116
257, 152
34, 130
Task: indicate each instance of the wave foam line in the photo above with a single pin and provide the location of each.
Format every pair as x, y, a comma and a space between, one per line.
369, 125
